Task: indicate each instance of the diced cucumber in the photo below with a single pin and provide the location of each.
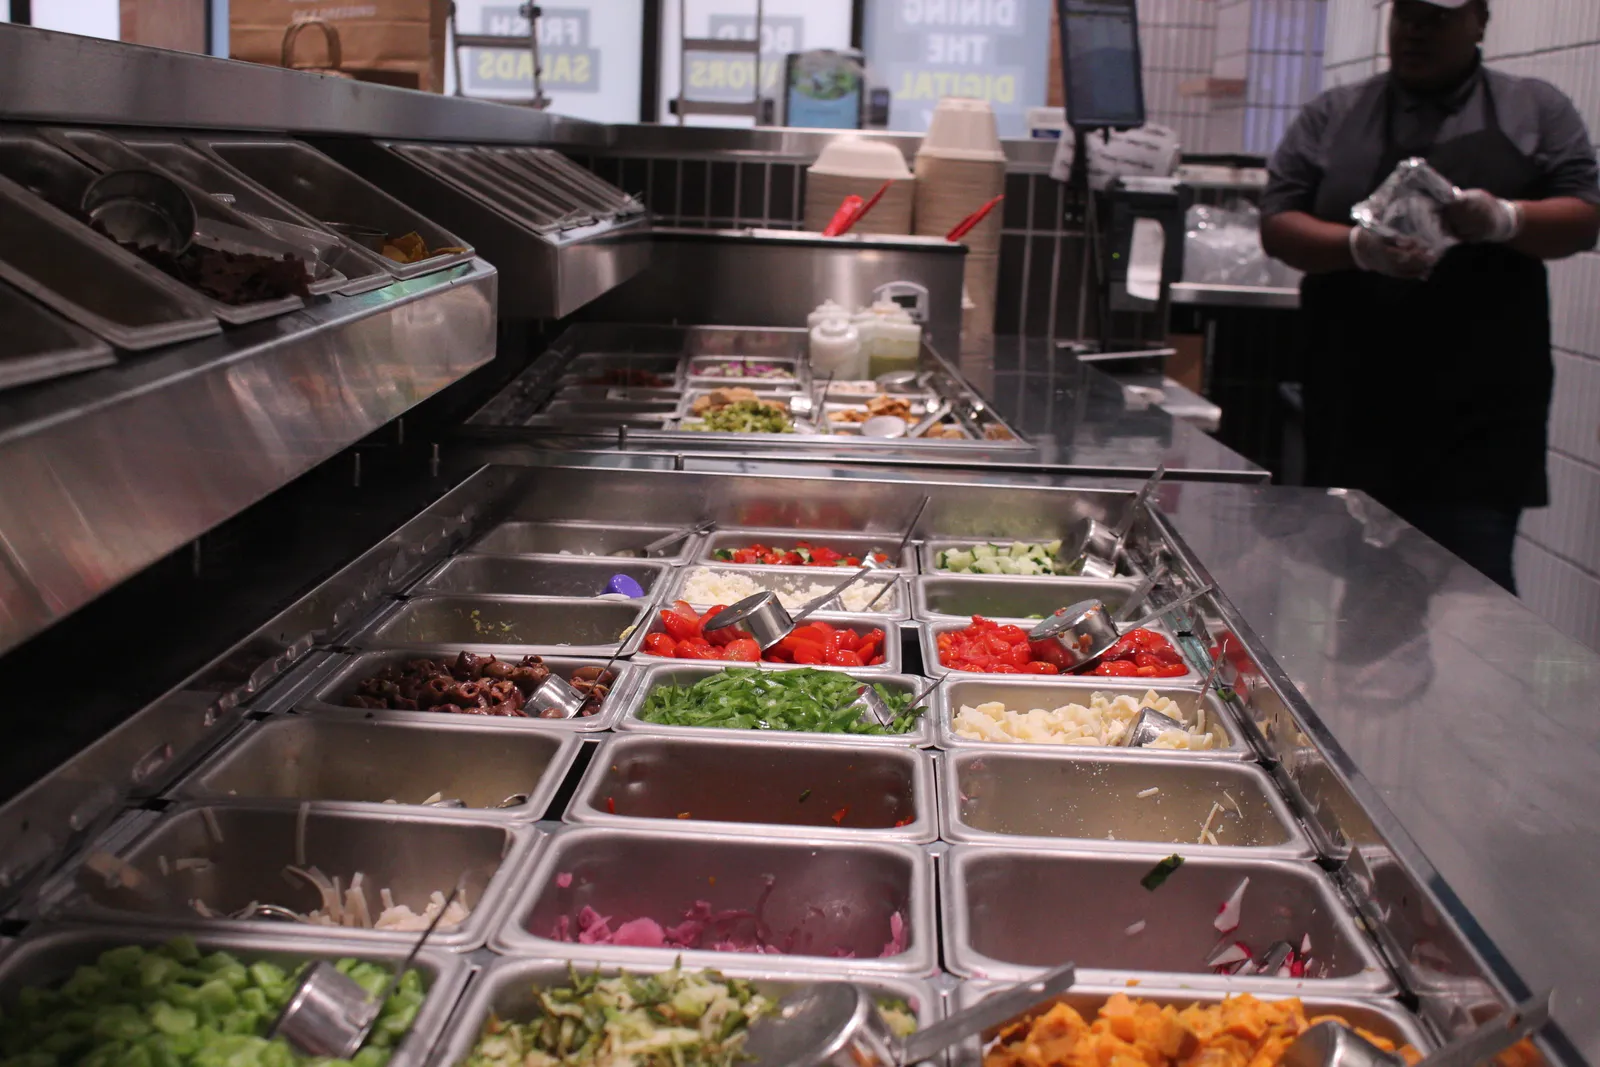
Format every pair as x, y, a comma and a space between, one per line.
1052, 547
983, 551
1028, 566
956, 560
1018, 550
987, 565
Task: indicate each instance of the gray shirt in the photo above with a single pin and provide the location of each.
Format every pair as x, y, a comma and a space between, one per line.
1535, 115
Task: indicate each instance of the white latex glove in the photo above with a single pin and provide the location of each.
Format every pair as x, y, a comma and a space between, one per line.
1399, 257
1478, 216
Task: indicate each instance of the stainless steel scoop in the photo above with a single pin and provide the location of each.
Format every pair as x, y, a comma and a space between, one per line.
330, 1014
662, 542
836, 1024
764, 618
874, 709
556, 694
1077, 635
142, 208
1141, 592
1097, 548
1151, 724
1328, 1044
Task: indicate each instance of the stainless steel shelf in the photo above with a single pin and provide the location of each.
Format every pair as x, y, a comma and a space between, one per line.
1241, 296
106, 472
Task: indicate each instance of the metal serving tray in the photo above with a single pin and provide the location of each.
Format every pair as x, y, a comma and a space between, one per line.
580, 539
928, 637
248, 845
797, 373
859, 623
106, 153
107, 290
506, 990
1382, 1017
617, 392
818, 895
596, 412
361, 273
478, 174
38, 344
1008, 912
787, 579
686, 672
47, 959
590, 368
325, 192
928, 559
329, 696
100, 153
774, 787
847, 542
1034, 799
1015, 598
556, 626
337, 760
562, 576
1034, 692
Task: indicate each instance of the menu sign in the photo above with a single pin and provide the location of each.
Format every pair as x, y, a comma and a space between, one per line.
588, 49
995, 50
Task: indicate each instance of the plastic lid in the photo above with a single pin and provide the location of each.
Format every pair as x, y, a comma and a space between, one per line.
854, 157
962, 128
834, 330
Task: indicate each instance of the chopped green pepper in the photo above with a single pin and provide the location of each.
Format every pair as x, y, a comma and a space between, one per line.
806, 700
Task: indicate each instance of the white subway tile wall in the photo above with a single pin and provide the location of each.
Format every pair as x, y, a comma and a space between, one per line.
1276, 46
1558, 552
1177, 38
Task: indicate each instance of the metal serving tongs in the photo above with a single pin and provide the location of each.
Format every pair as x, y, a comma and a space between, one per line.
768, 621
836, 1024
662, 542
330, 1014
1077, 635
1328, 1044
1095, 548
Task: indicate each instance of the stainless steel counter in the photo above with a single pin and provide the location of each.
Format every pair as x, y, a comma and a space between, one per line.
1473, 719
1080, 418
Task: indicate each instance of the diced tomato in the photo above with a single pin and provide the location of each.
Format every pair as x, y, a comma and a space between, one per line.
696, 649
659, 644
838, 817
1040, 667
682, 608
1015, 635
682, 628
821, 627
1004, 668
1147, 659
875, 661
867, 649
1119, 668
844, 658
807, 652
744, 650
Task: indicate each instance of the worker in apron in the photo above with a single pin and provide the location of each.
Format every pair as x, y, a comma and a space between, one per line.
1428, 384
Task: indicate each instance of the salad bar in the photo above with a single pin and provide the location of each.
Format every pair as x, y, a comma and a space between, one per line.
643, 880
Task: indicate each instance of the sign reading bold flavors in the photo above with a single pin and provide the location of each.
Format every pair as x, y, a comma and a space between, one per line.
995, 50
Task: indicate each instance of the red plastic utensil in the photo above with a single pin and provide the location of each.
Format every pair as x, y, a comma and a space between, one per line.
844, 217
872, 202
972, 220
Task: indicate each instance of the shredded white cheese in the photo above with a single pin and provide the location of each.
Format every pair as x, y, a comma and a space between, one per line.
1152, 791
704, 587
1101, 724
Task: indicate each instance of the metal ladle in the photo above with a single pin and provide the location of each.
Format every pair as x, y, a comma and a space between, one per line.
1077, 635
836, 1024
662, 542
765, 618
1141, 592
330, 1014
1328, 1044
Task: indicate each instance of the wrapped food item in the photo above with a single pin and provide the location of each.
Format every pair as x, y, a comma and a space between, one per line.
1410, 204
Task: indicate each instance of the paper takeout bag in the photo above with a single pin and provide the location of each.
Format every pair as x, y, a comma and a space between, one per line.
396, 42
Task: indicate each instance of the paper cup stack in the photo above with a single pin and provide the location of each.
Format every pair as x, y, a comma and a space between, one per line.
855, 166
959, 168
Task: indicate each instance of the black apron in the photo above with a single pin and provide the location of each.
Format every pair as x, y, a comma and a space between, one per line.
1435, 391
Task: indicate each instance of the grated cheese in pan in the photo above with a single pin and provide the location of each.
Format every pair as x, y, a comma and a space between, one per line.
1101, 723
